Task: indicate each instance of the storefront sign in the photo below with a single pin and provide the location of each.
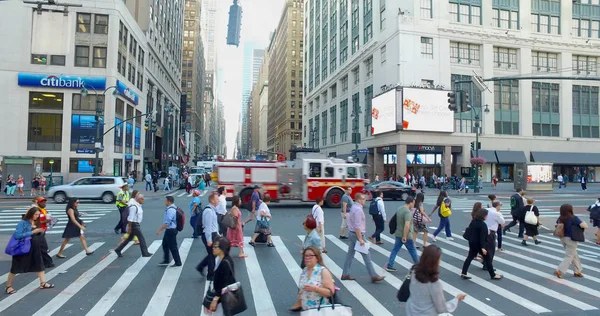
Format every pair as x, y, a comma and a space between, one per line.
427, 148
128, 157
61, 81
127, 93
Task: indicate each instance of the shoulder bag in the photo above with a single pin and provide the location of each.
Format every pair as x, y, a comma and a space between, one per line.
18, 247
530, 217
577, 232
229, 220
233, 301
559, 230
332, 309
210, 295
404, 291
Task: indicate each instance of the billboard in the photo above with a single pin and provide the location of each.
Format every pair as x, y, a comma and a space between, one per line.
383, 113
539, 173
137, 138
128, 135
118, 132
83, 129
426, 110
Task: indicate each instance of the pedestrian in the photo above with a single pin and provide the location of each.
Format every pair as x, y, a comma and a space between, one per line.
444, 208
75, 228
148, 178
477, 235
35, 184
224, 275
44, 220
404, 234
21, 184
560, 181
125, 218
316, 285
318, 214
494, 221
376, 178
255, 201
570, 240
357, 228
494, 182
531, 229
312, 238
131, 181
166, 182
11, 185
263, 222
594, 218
169, 242
210, 233
583, 182
121, 203
420, 220
195, 206
134, 230
426, 290
379, 218
516, 211
222, 210
236, 235
188, 183
42, 185
31, 261
155, 182
490, 208
346, 205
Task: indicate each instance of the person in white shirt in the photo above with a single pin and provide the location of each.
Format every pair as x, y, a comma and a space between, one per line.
148, 179
319, 216
494, 221
379, 219
263, 219
560, 180
136, 214
166, 183
222, 210
210, 233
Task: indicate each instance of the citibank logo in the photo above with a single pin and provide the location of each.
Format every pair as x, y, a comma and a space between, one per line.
56, 82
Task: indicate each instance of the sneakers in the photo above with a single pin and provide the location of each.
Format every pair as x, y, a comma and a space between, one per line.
347, 277
449, 238
391, 269
433, 238
164, 263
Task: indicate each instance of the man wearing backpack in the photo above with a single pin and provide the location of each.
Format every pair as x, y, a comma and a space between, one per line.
403, 234
377, 210
210, 232
169, 242
516, 210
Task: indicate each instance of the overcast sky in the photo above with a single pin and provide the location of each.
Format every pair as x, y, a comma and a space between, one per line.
259, 18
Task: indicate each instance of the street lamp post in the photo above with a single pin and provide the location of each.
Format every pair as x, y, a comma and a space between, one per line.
477, 132
51, 162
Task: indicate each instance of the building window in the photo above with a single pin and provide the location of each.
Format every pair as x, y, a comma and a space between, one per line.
101, 24
464, 53
368, 107
324, 123
99, 57
544, 62
369, 66
585, 112
344, 84
382, 15
82, 56
44, 130
584, 65
334, 91
356, 75
344, 121
88, 103
547, 24
586, 28
546, 109
58, 60
462, 11
463, 122
427, 9
84, 22
333, 124
505, 58
383, 54
427, 47
38, 59
506, 19
506, 105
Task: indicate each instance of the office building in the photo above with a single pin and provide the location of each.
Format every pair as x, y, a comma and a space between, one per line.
208, 19
260, 93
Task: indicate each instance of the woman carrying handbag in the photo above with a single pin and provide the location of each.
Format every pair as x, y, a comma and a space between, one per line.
27, 234
225, 296
570, 236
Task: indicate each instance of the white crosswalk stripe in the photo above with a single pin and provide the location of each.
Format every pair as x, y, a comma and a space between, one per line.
465, 205
9, 218
270, 274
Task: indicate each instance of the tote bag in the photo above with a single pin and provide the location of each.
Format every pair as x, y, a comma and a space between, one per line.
332, 309
18, 247
530, 217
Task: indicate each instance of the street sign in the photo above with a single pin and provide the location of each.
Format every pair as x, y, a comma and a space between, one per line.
85, 151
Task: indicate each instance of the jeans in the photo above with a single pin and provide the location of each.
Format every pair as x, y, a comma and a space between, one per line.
136, 231
379, 227
148, 186
350, 257
169, 245
499, 237
209, 260
444, 223
410, 246
193, 220
167, 187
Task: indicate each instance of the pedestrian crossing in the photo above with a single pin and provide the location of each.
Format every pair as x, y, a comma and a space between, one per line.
465, 205
105, 284
181, 193
9, 218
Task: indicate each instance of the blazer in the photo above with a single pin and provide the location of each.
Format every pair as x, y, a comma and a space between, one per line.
224, 275
478, 234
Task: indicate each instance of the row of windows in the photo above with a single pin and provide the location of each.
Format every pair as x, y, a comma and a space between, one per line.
84, 23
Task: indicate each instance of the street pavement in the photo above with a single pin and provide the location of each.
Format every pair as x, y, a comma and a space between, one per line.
102, 284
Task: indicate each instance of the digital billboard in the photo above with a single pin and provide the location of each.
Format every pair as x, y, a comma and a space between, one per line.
85, 166
137, 138
128, 135
383, 113
539, 174
426, 110
83, 129
118, 132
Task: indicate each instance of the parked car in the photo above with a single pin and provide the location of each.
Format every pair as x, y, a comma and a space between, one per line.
88, 188
391, 190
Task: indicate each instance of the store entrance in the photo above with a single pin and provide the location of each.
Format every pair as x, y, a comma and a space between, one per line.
425, 170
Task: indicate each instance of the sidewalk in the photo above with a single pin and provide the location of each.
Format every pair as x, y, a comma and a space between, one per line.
508, 187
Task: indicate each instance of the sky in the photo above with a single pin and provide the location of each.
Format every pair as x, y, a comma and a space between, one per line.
259, 18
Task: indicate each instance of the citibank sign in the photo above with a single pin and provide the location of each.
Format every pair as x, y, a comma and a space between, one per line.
61, 81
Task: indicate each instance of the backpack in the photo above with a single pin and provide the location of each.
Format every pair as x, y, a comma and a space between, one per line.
393, 224
594, 212
199, 223
180, 218
513, 203
373, 208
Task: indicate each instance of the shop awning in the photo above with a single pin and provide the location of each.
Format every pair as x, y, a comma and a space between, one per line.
488, 155
510, 156
572, 159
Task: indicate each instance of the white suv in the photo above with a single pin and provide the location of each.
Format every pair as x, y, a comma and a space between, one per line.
89, 188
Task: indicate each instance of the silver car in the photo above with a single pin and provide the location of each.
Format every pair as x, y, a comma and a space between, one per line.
88, 188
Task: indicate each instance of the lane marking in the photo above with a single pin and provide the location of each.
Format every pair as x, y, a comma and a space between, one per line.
260, 293
290, 263
114, 293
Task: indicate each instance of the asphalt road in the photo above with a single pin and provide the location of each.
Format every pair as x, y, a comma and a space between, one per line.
102, 284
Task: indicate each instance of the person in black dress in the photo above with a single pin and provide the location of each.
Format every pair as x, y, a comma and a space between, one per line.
32, 261
530, 229
477, 235
75, 228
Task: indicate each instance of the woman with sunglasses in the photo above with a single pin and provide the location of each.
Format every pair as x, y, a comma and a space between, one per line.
224, 274
316, 282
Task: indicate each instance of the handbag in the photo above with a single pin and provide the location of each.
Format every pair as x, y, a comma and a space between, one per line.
559, 230
263, 223
210, 295
332, 309
445, 209
404, 290
530, 217
229, 220
233, 301
18, 247
577, 232
467, 233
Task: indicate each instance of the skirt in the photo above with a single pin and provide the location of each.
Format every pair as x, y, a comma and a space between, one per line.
420, 228
531, 230
596, 223
31, 262
71, 231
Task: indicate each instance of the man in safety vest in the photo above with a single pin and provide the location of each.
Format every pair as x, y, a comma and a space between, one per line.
122, 200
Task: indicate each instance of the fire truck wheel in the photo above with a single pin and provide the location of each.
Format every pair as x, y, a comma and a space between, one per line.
334, 198
245, 196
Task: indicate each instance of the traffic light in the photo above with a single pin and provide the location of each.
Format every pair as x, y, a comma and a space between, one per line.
472, 145
451, 101
146, 123
153, 128
465, 104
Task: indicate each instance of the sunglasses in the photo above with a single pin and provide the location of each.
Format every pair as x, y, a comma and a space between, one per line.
309, 256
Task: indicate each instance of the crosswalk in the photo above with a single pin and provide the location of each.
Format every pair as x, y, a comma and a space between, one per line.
105, 284
181, 193
465, 205
9, 218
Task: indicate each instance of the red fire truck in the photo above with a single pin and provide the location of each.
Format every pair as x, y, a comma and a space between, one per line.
306, 178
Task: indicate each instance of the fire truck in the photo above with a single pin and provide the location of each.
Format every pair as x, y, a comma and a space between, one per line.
306, 178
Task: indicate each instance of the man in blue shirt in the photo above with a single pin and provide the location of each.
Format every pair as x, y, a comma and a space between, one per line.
169, 242
254, 203
210, 233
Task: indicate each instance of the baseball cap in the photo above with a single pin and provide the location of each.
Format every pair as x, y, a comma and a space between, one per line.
41, 199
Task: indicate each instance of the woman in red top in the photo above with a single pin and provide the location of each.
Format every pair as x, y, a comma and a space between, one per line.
494, 181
